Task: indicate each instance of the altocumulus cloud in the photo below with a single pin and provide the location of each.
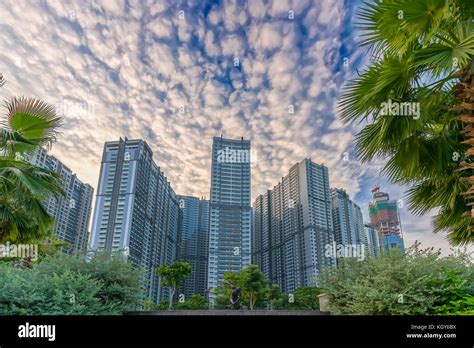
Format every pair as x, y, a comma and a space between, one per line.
177, 73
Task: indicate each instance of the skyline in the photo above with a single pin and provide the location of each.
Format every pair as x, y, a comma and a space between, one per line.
135, 68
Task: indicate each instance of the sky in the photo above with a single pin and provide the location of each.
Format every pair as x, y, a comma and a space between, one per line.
178, 73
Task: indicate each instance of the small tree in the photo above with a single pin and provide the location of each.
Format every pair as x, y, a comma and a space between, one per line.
253, 285
222, 298
273, 295
173, 276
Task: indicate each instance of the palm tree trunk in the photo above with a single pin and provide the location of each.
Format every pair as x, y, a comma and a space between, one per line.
464, 92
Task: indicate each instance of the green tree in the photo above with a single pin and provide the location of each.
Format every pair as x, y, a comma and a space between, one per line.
28, 124
52, 245
273, 295
421, 52
253, 285
251, 282
173, 276
222, 298
417, 283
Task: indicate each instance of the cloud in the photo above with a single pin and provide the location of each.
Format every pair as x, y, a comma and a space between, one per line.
167, 72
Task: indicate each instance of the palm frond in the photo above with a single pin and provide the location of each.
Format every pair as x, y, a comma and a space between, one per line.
450, 52
33, 119
390, 78
29, 179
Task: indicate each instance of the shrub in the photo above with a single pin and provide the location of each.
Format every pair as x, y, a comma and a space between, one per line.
419, 282
62, 284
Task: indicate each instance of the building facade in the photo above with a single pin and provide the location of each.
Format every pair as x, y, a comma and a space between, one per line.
373, 240
71, 213
293, 227
137, 212
383, 214
193, 246
230, 229
347, 219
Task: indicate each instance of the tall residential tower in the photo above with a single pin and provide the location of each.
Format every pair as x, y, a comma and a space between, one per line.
373, 240
292, 227
137, 212
193, 245
72, 213
230, 229
347, 218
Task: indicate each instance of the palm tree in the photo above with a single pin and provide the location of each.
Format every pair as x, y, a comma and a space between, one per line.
422, 53
29, 124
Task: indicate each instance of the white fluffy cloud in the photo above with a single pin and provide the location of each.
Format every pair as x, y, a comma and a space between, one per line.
166, 72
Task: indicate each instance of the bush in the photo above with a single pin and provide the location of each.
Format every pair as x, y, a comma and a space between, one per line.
196, 302
305, 298
419, 282
62, 284
456, 299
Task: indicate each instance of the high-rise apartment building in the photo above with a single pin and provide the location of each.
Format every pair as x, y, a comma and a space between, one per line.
230, 230
193, 245
71, 213
265, 252
384, 217
137, 212
293, 227
347, 219
373, 240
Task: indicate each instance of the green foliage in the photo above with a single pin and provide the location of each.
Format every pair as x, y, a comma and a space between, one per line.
273, 295
148, 305
121, 282
305, 298
222, 298
28, 124
456, 298
196, 302
63, 284
163, 305
416, 283
29, 292
51, 246
173, 276
253, 285
418, 49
